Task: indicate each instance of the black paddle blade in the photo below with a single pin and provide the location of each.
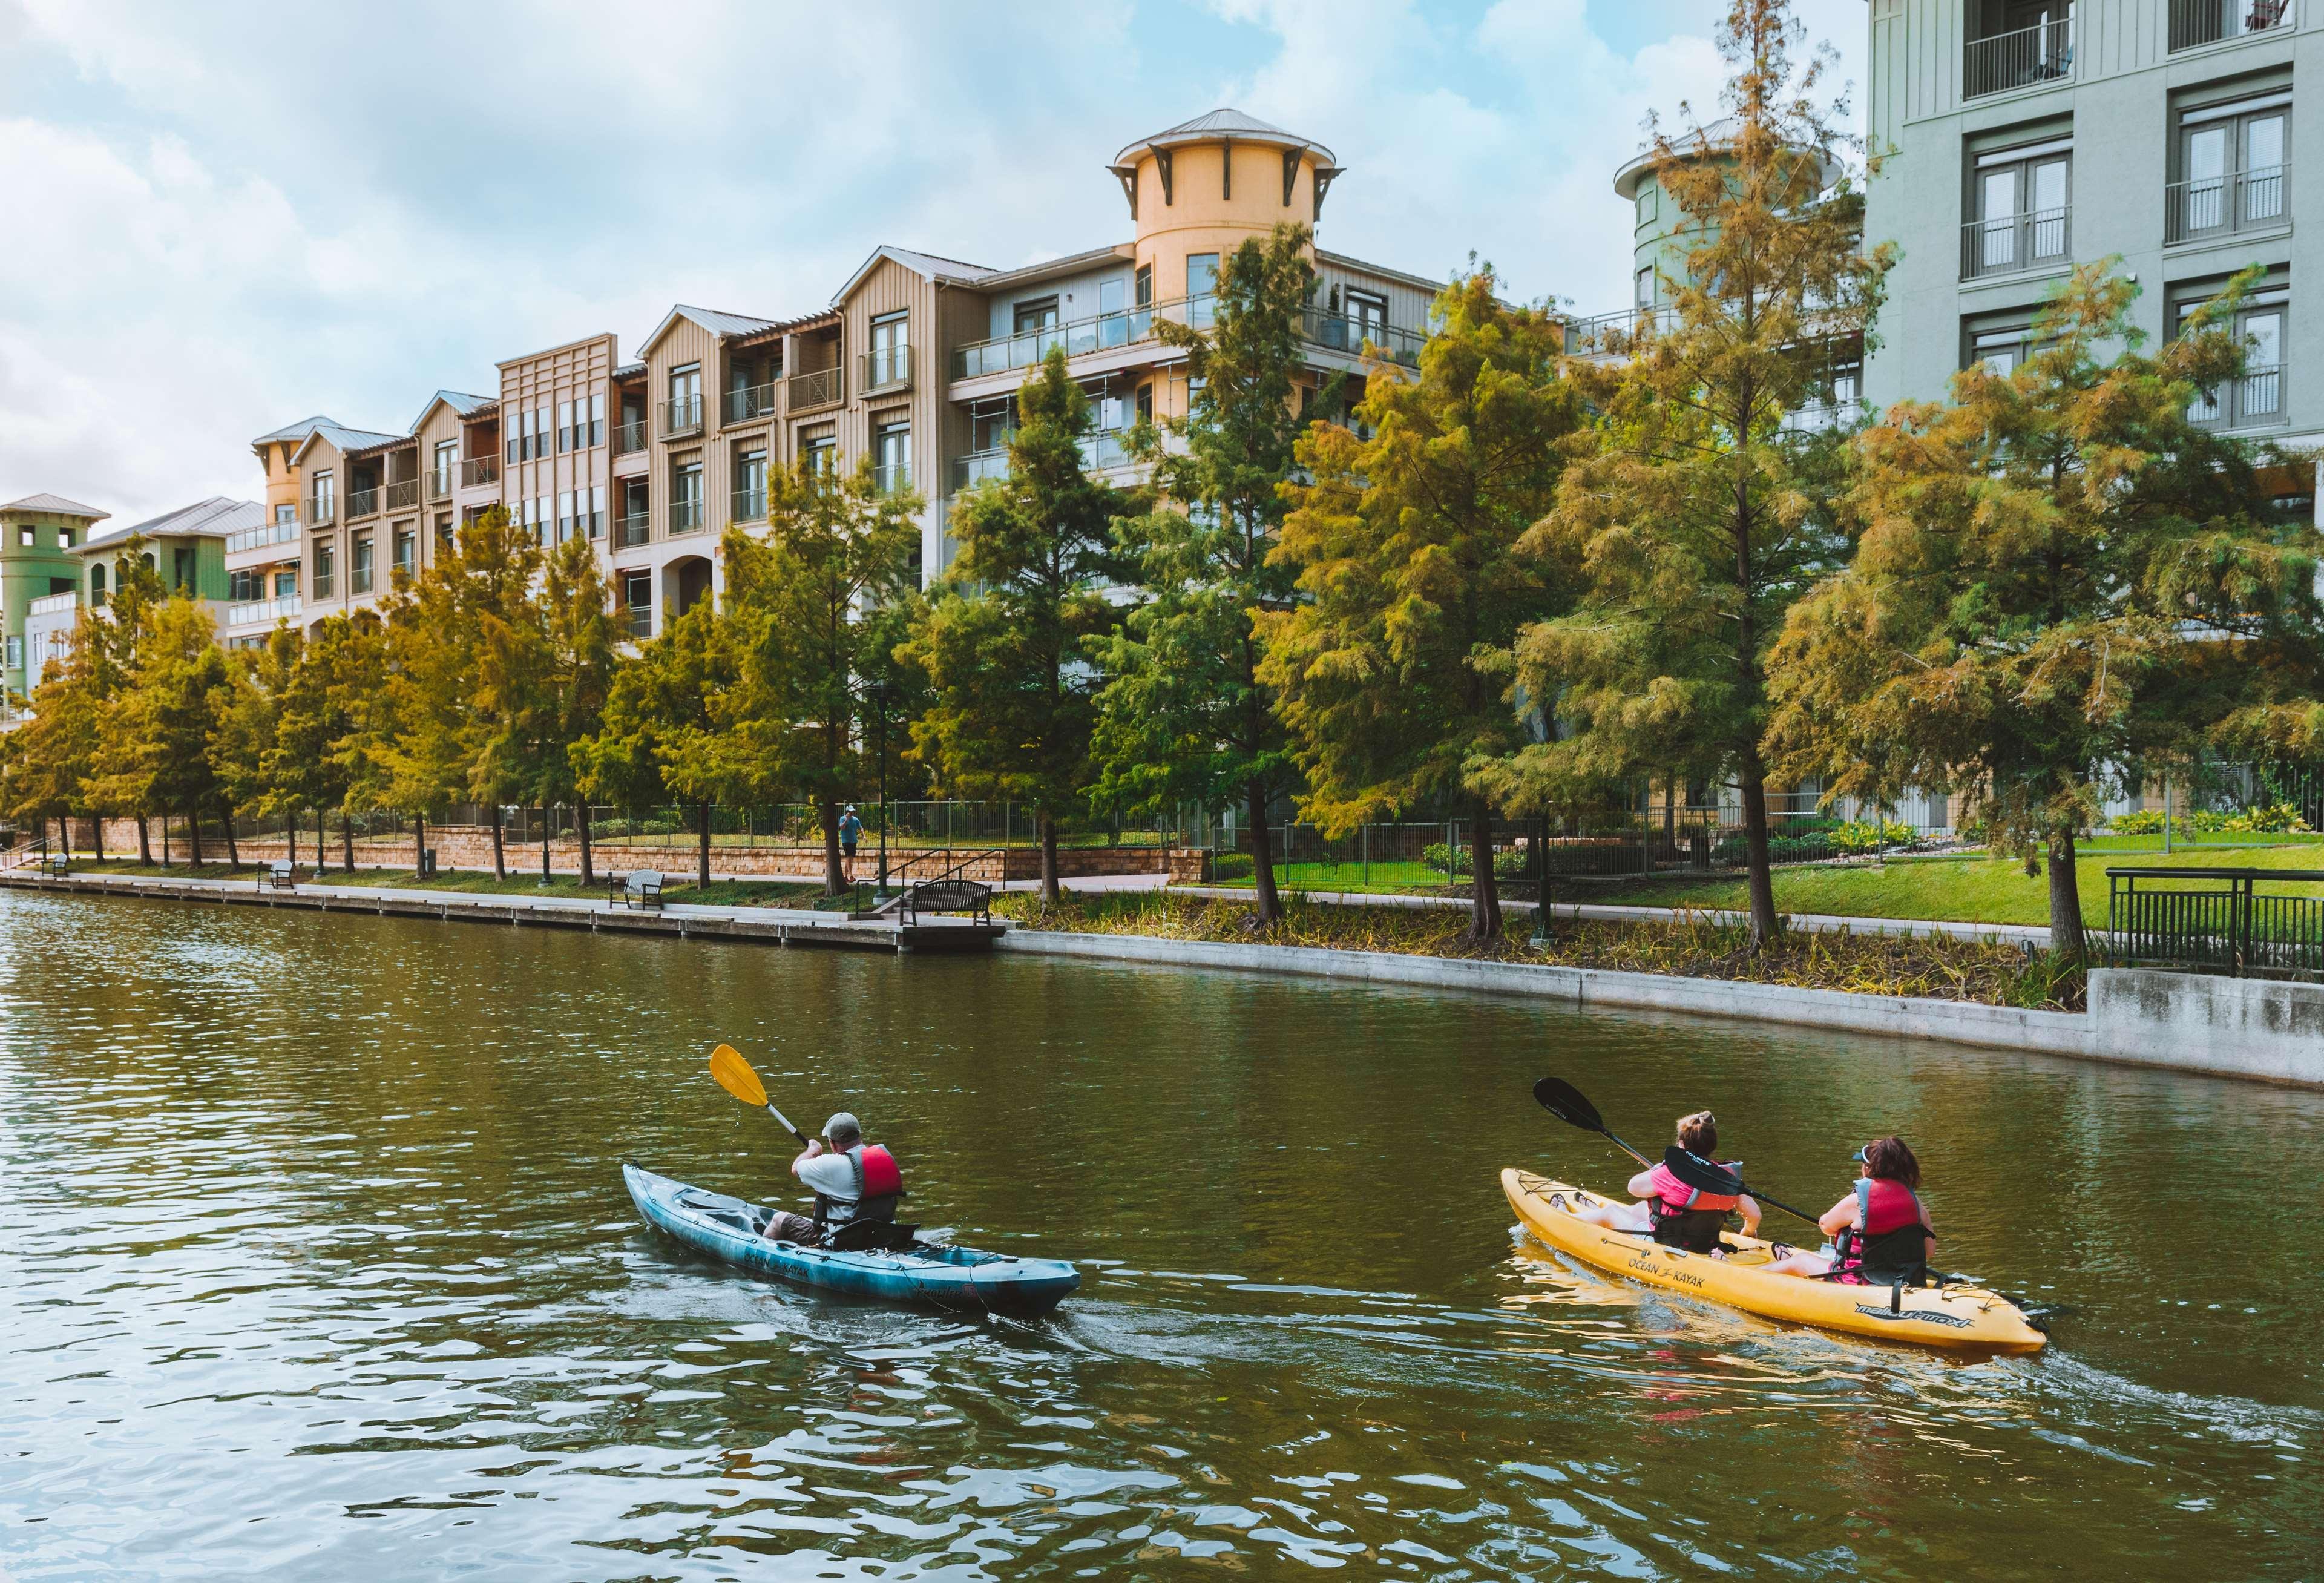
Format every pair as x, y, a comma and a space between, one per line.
1562, 1100
1703, 1175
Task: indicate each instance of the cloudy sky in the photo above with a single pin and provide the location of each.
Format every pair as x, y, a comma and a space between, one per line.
226, 216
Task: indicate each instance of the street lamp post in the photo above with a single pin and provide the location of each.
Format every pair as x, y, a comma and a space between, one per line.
879, 729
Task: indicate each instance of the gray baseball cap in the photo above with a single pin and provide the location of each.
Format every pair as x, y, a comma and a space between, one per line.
843, 1125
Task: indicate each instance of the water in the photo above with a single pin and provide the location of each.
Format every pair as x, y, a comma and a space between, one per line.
317, 1263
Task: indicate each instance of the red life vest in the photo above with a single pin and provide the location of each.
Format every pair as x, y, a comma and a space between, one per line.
879, 1183
1689, 1217
1889, 1240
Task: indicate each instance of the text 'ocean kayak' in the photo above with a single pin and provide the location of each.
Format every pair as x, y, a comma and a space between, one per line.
959, 1278
1961, 1317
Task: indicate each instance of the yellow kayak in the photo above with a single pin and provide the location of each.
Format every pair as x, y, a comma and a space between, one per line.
1965, 1318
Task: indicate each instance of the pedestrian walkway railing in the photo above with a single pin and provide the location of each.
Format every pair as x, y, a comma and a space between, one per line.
2216, 920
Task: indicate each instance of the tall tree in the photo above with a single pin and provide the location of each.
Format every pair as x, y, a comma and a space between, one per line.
579, 637
59, 752
170, 716
333, 686
2060, 575
821, 602
1392, 675
1706, 512
1004, 640
1185, 713
250, 719
114, 639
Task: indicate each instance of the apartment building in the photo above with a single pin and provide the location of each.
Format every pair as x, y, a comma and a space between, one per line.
2025, 136
912, 366
39, 535
185, 548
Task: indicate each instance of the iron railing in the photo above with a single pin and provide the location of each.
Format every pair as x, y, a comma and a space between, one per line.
817, 387
749, 505
684, 516
2252, 401
748, 402
2196, 22
2008, 244
1339, 333
401, 495
629, 435
2215, 919
885, 368
439, 483
2042, 53
251, 611
261, 536
681, 415
632, 530
480, 469
362, 503
2205, 207
1100, 451
325, 585
892, 477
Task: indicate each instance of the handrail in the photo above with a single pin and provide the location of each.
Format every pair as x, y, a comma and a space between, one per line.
259, 537
635, 528
2204, 207
752, 403
681, 415
279, 607
403, 491
2008, 244
480, 469
321, 514
2020, 57
891, 369
2196, 22
2255, 396
50, 603
362, 503
629, 436
816, 387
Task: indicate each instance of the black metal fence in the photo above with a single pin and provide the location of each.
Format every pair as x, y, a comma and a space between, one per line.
2216, 920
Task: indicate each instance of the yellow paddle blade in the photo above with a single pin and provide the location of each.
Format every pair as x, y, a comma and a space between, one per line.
734, 1074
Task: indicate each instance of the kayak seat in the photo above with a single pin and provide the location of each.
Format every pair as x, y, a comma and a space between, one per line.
870, 1236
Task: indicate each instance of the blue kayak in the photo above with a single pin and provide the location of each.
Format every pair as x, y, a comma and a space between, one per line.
959, 1278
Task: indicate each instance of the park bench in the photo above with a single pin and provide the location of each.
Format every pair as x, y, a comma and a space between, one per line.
57, 864
641, 892
278, 875
949, 895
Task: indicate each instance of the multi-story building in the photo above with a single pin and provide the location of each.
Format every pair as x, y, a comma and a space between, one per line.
185, 548
913, 365
2022, 138
39, 536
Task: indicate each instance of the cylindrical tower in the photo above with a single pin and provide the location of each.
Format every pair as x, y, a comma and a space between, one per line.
1203, 187
1661, 235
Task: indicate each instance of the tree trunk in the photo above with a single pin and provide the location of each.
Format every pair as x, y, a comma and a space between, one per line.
1764, 925
1485, 917
194, 837
703, 869
165, 840
2066, 940
321, 832
144, 844
500, 856
64, 834
233, 847
834, 873
99, 825
581, 829
346, 843
419, 842
1050, 893
1262, 853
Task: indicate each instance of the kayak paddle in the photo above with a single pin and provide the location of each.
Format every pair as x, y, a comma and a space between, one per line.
1569, 1105
734, 1074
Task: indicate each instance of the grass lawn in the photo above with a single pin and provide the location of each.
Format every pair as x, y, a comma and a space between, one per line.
723, 892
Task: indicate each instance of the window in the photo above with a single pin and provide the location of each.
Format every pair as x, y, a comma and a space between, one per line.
891, 361
322, 506
516, 430
2019, 209
1367, 318
637, 602
1040, 313
597, 419
1642, 288
990, 422
2000, 349
1145, 298
15, 653
565, 426
685, 411
407, 549
564, 515
444, 532
323, 582
1644, 204
539, 519
286, 580
27, 537
594, 512
540, 431
1146, 403
685, 496
446, 469
2256, 398
2231, 168
97, 585
64, 538
891, 456
1202, 283
819, 454
285, 513
637, 522
359, 566
751, 485
182, 563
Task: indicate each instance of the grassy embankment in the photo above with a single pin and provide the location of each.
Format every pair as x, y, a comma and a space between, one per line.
725, 893
1944, 968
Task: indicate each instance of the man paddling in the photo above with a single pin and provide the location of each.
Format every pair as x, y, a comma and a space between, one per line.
852, 1181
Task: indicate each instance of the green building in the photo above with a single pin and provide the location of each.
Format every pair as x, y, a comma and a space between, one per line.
186, 547
41, 539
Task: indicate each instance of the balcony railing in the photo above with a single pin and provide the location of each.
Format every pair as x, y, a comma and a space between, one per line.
749, 505
892, 477
251, 611
359, 581
2253, 401
752, 403
1339, 333
887, 369
681, 415
2009, 243
629, 435
325, 586
439, 483
480, 469
817, 387
1602, 331
2043, 53
261, 536
2221, 206
53, 604
631, 530
640, 621
322, 512
402, 494
1099, 452
2195, 23
1101, 332
684, 516
361, 503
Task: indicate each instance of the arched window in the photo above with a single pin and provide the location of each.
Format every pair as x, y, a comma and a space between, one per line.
97, 585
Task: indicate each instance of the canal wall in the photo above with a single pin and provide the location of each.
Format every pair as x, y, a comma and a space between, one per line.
2223, 1027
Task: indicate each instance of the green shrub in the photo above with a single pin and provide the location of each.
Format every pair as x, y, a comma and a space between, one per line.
1233, 866
1509, 863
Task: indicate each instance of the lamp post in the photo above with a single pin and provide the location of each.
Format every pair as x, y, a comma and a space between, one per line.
880, 733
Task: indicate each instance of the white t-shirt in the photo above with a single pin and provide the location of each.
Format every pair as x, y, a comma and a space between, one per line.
831, 1174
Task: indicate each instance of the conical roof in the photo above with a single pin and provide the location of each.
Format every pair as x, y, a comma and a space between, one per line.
1225, 122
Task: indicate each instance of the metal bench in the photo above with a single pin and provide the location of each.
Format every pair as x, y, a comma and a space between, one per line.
641, 892
57, 864
949, 895
279, 875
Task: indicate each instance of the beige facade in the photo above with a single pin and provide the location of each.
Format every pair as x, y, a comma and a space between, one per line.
912, 369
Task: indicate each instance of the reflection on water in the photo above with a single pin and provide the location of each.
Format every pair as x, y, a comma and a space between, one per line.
317, 1263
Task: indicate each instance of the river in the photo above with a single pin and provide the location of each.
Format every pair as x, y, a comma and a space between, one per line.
317, 1264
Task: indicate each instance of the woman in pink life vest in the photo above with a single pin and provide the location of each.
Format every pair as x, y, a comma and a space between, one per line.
1673, 1213
852, 1182
1880, 1234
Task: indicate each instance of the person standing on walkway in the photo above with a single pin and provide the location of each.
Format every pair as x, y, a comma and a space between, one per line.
851, 831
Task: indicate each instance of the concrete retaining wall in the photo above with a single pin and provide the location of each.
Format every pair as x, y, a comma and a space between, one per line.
2246, 1027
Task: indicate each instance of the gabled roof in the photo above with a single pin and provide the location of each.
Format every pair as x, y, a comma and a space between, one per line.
1224, 124
1072, 264
710, 318
466, 405
213, 518
56, 506
1419, 283
298, 430
344, 438
950, 270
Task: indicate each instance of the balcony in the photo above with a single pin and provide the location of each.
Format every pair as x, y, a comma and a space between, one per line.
2027, 58
2197, 22
753, 402
1337, 332
325, 586
885, 369
261, 536
749, 505
55, 603
640, 621
684, 516
439, 483
2009, 245
1602, 332
359, 580
681, 416
361, 503
892, 477
1099, 452
631, 530
817, 387
322, 510
257, 612
2221, 206
403, 495
478, 470
629, 435
2254, 400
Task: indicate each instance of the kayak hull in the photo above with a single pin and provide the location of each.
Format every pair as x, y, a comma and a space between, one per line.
954, 1279
1960, 1318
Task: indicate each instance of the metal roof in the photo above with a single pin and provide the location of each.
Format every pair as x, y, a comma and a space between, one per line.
298, 430
346, 438
929, 264
1224, 124
1694, 142
710, 318
213, 518
1120, 253
460, 402
56, 506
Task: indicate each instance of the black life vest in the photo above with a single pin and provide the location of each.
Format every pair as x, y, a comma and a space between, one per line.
1889, 1242
879, 1183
